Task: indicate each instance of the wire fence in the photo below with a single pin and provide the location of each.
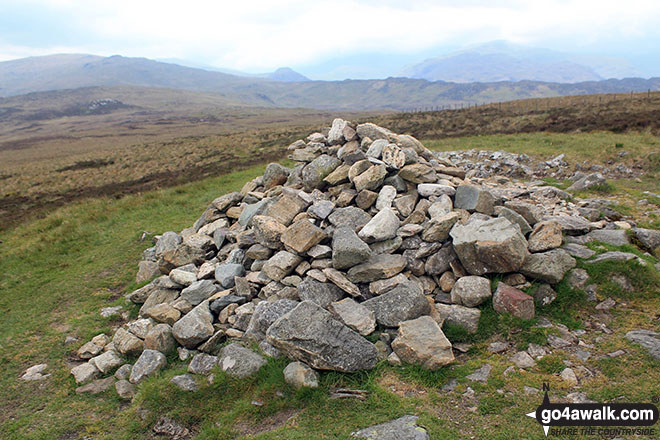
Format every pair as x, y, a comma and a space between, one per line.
544, 104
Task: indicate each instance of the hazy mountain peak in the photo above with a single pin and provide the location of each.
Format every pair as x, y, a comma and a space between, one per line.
502, 60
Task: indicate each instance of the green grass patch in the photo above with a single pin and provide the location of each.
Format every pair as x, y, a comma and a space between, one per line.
551, 364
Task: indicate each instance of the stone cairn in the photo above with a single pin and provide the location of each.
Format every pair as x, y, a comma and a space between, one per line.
371, 237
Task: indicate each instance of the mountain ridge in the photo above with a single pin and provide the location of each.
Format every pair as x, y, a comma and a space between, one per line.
75, 71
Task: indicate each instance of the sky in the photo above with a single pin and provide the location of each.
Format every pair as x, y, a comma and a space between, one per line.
323, 39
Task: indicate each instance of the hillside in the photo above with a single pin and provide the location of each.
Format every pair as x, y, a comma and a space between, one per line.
72, 71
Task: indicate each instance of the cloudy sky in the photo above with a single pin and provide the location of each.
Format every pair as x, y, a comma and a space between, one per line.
326, 39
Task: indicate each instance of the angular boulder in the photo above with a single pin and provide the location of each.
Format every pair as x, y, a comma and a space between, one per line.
195, 327
491, 246
403, 303
548, 266
421, 342
311, 335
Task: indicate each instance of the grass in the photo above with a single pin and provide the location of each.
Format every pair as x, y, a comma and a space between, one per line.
60, 270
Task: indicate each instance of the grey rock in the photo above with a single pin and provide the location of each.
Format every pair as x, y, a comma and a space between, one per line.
578, 250
198, 291
648, 238
490, 246
385, 198
275, 174
127, 343
461, 316
354, 315
350, 216
321, 209
310, 334
548, 266
125, 389
523, 360
577, 278
107, 361
615, 237
317, 170
613, 256
587, 182
382, 226
123, 372
249, 211
420, 341
168, 241
544, 295
348, 249
96, 387
481, 374
435, 190
403, 303
514, 218
650, 340
320, 293
222, 302
299, 375
265, 314
571, 225
404, 428
378, 267
202, 363
149, 363
184, 382
474, 199
225, 274
195, 327
280, 265
160, 338
438, 228
238, 361
471, 291
84, 373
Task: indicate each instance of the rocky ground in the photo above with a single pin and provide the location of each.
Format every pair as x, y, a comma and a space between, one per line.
372, 249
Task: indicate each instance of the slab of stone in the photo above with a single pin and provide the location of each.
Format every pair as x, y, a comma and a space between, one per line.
302, 235
474, 199
311, 335
548, 266
149, 363
471, 291
378, 267
382, 226
545, 236
650, 340
280, 265
421, 342
354, 315
238, 361
195, 327
492, 246
461, 316
404, 428
184, 382
322, 294
403, 303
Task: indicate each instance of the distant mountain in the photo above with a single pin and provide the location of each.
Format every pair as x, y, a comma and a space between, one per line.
503, 61
284, 74
58, 72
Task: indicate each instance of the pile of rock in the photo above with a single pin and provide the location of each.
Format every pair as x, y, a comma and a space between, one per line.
359, 253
